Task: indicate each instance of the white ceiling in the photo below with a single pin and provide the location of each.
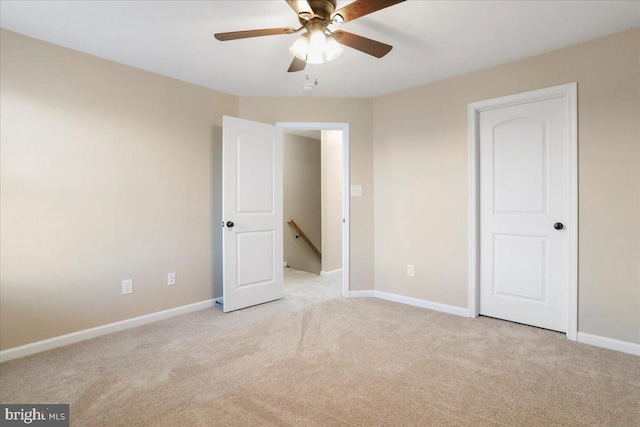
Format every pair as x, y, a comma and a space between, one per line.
432, 39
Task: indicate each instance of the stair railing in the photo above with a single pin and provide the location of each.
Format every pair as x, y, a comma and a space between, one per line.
304, 237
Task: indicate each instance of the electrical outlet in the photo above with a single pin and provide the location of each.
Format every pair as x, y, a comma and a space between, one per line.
171, 279
410, 270
127, 286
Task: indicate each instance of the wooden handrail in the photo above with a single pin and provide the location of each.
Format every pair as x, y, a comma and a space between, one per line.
304, 237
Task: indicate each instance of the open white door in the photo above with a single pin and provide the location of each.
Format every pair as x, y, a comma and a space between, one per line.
251, 213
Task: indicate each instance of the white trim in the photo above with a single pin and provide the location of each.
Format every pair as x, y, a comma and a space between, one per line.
285, 265
435, 306
610, 343
74, 337
570, 92
572, 295
474, 215
331, 273
344, 127
346, 219
362, 294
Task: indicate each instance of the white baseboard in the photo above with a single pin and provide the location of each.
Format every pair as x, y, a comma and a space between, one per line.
435, 306
331, 273
595, 340
610, 343
362, 294
51, 343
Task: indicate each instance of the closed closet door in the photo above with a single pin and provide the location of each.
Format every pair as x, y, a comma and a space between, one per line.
524, 213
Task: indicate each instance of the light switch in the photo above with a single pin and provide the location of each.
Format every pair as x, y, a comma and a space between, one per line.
356, 190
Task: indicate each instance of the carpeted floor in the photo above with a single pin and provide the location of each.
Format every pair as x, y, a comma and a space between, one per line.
317, 359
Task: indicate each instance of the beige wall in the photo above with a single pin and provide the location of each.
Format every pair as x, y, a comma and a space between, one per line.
107, 175
358, 113
110, 173
301, 176
421, 179
332, 200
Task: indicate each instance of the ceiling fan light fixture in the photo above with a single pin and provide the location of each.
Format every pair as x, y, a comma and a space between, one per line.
314, 58
333, 49
300, 47
317, 42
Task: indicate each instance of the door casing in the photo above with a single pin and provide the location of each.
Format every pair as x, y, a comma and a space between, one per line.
344, 127
568, 91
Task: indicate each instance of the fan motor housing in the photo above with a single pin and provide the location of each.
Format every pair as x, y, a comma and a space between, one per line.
323, 8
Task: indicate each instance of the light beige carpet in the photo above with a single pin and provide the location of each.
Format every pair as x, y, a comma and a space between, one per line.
317, 359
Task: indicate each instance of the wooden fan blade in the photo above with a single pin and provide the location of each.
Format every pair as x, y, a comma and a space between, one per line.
363, 7
362, 44
235, 35
297, 65
300, 6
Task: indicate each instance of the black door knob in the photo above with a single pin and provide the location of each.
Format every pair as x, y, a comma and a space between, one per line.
230, 224
558, 226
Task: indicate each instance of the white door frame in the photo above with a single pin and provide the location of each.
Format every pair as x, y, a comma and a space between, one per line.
344, 127
569, 91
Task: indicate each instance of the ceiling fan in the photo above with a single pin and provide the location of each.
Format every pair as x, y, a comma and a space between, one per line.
318, 43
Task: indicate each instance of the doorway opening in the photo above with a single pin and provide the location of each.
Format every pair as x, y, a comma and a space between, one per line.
332, 257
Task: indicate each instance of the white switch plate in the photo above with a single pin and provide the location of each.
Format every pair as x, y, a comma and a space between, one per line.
410, 270
171, 279
356, 190
127, 286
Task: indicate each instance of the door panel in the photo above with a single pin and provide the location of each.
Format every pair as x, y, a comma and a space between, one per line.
524, 268
255, 174
252, 201
255, 257
520, 164
520, 267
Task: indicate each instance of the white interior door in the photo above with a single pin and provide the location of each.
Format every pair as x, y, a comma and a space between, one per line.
251, 213
524, 188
